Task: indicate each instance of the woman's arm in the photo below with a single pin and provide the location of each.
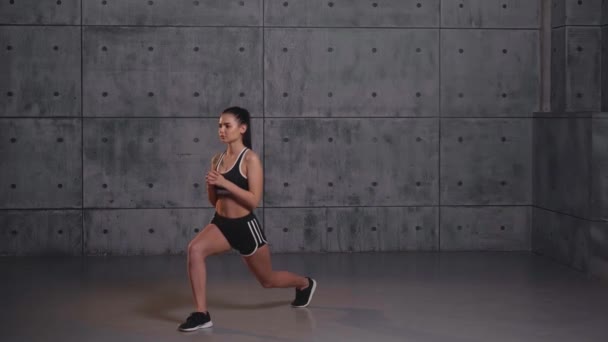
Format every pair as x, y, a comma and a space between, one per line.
210, 187
248, 198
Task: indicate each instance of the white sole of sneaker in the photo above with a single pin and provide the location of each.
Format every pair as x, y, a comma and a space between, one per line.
312, 292
202, 326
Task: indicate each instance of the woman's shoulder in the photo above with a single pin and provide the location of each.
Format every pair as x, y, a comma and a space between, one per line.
251, 155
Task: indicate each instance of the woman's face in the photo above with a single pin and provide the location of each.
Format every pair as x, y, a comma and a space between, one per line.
230, 130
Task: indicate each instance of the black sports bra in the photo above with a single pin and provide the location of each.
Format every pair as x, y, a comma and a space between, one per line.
234, 174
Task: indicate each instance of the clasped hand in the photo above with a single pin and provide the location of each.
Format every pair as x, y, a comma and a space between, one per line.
215, 178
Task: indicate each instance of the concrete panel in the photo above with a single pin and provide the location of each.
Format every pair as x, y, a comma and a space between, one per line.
352, 13
352, 229
490, 13
575, 12
558, 13
561, 237
489, 72
173, 12
599, 169
296, 230
142, 232
486, 161
485, 228
41, 163
583, 76
605, 12
604, 66
382, 229
139, 163
354, 162
598, 249
171, 71
354, 72
41, 71
41, 232
558, 69
64, 12
561, 164
587, 12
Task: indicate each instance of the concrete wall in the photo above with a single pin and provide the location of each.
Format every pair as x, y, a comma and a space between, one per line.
570, 218
383, 126
604, 65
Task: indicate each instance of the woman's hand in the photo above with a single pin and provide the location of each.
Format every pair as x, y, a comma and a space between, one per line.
215, 178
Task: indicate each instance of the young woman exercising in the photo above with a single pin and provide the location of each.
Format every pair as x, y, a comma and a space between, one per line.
234, 187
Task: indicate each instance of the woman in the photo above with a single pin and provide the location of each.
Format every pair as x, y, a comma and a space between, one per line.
234, 187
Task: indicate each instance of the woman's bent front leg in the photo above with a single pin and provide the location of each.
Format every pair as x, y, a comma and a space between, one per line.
208, 242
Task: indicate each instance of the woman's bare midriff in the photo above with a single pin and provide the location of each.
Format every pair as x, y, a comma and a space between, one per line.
226, 206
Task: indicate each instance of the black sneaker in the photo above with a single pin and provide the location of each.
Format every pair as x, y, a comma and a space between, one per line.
196, 320
303, 297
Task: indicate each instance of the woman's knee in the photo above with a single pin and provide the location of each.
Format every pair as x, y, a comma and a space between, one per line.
198, 249
268, 281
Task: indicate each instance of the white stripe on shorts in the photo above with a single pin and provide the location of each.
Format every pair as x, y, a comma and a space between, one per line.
255, 222
255, 230
252, 230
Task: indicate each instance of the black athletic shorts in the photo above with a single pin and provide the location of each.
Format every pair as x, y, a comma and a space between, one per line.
243, 234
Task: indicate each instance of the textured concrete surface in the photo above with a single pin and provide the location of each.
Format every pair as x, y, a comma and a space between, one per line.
167, 71
599, 167
597, 263
485, 228
569, 12
143, 163
357, 13
473, 60
605, 62
559, 97
490, 14
35, 12
376, 118
352, 229
360, 297
41, 232
142, 232
561, 237
355, 162
562, 152
576, 74
577, 55
180, 13
570, 144
569, 218
40, 71
41, 163
486, 161
351, 72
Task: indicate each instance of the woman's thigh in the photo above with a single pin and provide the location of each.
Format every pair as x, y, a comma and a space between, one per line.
210, 241
259, 263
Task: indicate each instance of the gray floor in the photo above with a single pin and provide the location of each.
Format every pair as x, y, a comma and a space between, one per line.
361, 297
